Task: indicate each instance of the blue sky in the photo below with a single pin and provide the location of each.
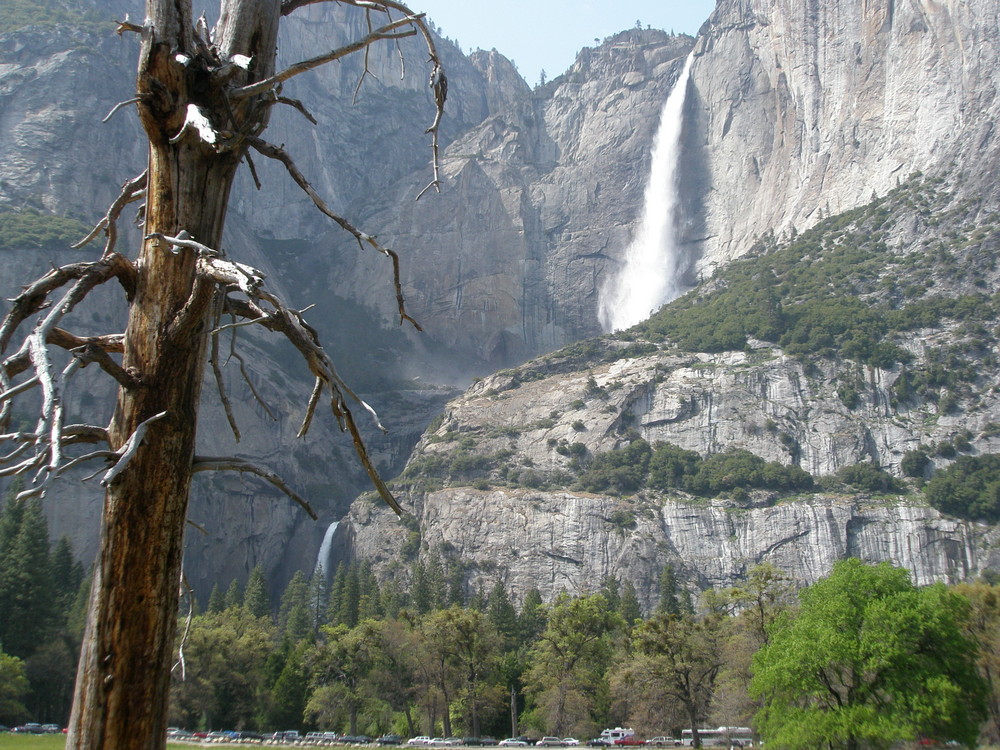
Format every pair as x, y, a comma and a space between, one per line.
546, 34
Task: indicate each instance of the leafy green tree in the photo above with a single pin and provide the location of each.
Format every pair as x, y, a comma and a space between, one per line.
255, 598
223, 675
969, 488
983, 627
620, 471
569, 663
683, 653
13, 690
669, 465
466, 639
289, 693
737, 468
869, 659
531, 619
339, 667
757, 602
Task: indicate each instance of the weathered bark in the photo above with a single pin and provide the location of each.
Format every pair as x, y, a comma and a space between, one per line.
124, 674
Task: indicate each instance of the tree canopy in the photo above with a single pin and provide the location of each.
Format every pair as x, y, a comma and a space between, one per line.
869, 659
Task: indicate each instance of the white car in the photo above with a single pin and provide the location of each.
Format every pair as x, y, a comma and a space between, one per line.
512, 742
570, 742
422, 740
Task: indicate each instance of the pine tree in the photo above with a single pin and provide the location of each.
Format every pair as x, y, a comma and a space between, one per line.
350, 597
628, 606
436, 581
370, 605
611, 591
27, 600
66, 574
501, 613
531, 619
294, 600
421, 596
256, 599
234, 595
669, 603
336, 594
456, 585
216, 601
318, 596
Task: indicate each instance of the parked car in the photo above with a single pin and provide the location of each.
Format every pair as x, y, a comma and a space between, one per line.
663, 742
389, 739
452, 741
512, 742
549, 742
478, 741
29, 728
629, 739
421, 740
248, 735
570, 741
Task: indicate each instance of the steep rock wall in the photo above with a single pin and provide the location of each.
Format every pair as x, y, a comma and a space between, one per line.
799, 110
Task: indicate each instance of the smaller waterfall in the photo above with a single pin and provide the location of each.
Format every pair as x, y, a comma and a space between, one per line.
323, 558
648, 279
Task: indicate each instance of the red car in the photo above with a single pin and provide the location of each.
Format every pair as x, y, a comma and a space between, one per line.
630, 739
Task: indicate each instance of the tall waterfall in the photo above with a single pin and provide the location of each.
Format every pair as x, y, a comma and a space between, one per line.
648, 279
323, 558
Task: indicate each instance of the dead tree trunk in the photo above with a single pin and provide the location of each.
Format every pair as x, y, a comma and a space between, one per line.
124, 676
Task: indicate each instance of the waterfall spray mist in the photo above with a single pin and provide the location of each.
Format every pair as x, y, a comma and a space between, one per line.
648, 278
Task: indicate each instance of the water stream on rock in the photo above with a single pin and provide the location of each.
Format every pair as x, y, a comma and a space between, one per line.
648, 278
323, 558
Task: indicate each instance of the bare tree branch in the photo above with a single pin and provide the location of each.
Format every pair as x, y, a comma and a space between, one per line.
438, 80
93, 353
297, 105
304, 338
246, 377
383, 32
131, 191
275, 152
118, 106
127, 451
228, 463
311, 408
89, 274
221, 386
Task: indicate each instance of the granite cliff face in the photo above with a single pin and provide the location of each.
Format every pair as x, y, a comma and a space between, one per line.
499, 480
804, 109
529, 424
564, 541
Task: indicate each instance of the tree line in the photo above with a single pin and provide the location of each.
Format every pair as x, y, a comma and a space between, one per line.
863, 656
